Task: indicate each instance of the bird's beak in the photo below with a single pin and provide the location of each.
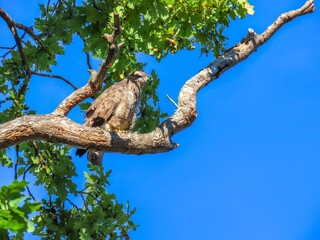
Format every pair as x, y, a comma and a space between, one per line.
145, 78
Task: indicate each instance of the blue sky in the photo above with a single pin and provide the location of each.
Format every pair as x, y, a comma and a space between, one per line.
248, 168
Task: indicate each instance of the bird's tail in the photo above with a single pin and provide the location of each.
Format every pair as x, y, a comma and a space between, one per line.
95, 157
80, 152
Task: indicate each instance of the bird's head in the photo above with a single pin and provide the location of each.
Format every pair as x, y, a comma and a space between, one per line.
139, 77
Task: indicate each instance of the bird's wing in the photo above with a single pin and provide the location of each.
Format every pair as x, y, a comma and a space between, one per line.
104, 107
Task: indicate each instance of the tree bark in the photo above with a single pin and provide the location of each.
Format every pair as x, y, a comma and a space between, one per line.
56, 127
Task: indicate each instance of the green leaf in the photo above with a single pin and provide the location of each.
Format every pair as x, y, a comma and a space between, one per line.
15, 208
84, 106
130, 5
4, 159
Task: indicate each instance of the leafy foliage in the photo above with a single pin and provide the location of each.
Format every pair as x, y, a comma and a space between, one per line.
14, 215
156, 28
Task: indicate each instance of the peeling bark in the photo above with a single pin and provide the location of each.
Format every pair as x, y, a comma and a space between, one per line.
56, 127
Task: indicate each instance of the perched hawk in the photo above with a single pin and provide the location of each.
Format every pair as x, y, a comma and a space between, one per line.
115, 109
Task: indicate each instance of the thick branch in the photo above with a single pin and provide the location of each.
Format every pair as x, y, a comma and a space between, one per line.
96, 79
61, 129
57, 128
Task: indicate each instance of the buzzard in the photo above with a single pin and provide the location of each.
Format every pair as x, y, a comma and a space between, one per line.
115, 109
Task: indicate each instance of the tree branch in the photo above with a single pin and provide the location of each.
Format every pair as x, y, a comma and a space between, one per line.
88, 60
31, 34
12, 26
96, 79
57, 128
55, 76
5, 100
61, 129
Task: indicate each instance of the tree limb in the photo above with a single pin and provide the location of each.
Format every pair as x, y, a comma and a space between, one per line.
61, 129
12, 26
57, 128
96, 79
31, 34
55, 76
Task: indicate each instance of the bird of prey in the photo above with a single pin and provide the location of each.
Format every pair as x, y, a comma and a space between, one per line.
115, 109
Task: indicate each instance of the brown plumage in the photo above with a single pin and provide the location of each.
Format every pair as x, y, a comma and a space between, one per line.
115, 109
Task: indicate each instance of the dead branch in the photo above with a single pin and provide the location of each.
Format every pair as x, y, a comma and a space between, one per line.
57, 128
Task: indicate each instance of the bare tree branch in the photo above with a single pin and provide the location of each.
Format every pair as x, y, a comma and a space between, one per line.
24, 178
96, 79
16, 162
87, 54
5, 100
88, 61
171, 100
9, 48
55, 76
57, 128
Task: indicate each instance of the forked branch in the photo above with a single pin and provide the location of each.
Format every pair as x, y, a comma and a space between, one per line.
12, 26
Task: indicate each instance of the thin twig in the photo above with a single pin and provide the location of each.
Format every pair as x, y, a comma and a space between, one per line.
88, 61
32, 34
27, 170
14, 46
30, 194
84, 201
4, 55
16, 162
75, 206
96, 199
87, 54
5, 100
171, 100
55, 76
24, 178
39, 154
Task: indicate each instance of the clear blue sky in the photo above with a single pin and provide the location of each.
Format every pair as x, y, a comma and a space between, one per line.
248, 168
